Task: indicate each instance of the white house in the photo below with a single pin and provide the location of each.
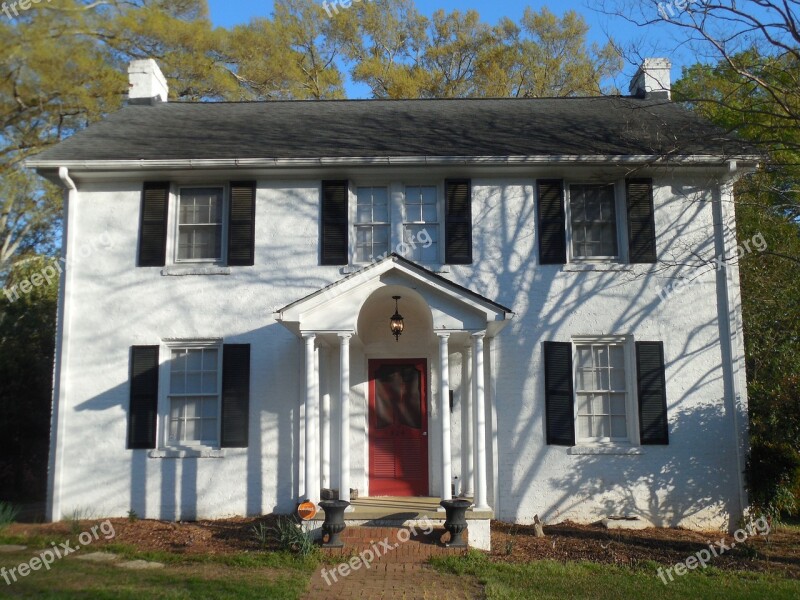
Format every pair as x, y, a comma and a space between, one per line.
224, 342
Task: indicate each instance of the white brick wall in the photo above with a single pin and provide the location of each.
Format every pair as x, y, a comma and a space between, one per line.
692, 482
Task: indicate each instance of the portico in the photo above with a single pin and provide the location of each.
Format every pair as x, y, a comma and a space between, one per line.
377, 411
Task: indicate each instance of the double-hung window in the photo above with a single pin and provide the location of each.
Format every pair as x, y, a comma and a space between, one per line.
421, 226
198, 395
209, 224
593, 221
194, 396
200, 220
601, 392
372, 223
425, 222
612, 222
605, 391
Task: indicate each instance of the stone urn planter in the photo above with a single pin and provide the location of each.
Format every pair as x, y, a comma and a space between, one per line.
333, 524
456, 522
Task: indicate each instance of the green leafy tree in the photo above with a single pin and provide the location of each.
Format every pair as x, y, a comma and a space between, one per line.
400, 53
27, 340
767, 205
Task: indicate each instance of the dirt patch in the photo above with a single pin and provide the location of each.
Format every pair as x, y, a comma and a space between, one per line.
777, 553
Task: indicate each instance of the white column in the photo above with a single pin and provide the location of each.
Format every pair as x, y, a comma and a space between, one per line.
312, 381
325, 416
317, 422
480, 422
344, 399
467, 429
444, 389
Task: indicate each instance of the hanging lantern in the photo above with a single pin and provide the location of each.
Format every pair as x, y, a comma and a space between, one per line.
396, 322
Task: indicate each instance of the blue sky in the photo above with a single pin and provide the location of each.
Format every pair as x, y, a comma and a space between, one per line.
657, 41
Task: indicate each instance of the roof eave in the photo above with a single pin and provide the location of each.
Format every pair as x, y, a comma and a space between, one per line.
709, 160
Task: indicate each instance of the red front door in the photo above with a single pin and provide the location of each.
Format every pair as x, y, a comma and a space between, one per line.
398, 428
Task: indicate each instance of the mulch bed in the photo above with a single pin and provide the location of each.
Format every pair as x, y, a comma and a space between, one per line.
225, 536
777, 553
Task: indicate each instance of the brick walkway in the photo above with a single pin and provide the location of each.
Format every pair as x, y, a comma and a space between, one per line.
400, 571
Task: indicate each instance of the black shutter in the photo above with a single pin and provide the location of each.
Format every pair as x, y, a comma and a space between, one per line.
143, 409
641, 221
242, 224
559, 393
335, 226
652, 387
235, 395
458, 222
552, 222
153, 226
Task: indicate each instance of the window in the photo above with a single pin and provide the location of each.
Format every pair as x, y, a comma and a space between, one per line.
601, 392
194, 396
372, 223
207, 225
421, 223
200, 224
183, 396
593, 221
596, 394
428, 223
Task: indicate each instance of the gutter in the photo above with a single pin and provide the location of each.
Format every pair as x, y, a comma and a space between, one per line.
57, 415
404, 161
729, 286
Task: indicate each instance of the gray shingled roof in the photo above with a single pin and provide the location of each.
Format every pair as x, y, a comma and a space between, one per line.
616, 126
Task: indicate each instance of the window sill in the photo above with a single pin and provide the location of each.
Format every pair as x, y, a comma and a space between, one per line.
182, 271
583, 267
188, 453
596, 450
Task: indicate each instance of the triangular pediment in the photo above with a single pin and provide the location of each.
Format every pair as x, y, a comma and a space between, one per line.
336, 307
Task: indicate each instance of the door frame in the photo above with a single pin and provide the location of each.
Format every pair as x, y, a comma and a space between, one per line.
421, 364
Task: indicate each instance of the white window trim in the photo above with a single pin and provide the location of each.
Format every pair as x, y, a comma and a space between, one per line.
621, 208
632, 404
397, 216
167, 346
173, 222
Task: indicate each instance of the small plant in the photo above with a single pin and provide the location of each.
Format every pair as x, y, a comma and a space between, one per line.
263, 534
289, 535
76, 516
132, 516
8, 514
511, 541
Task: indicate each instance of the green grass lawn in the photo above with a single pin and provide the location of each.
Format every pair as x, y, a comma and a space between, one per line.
236, 576
278, 576
550, 579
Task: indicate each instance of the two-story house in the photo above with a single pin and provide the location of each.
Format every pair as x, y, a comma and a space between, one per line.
409, 298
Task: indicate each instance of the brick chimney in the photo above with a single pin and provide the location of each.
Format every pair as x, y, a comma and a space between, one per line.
147, 83
652, 80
